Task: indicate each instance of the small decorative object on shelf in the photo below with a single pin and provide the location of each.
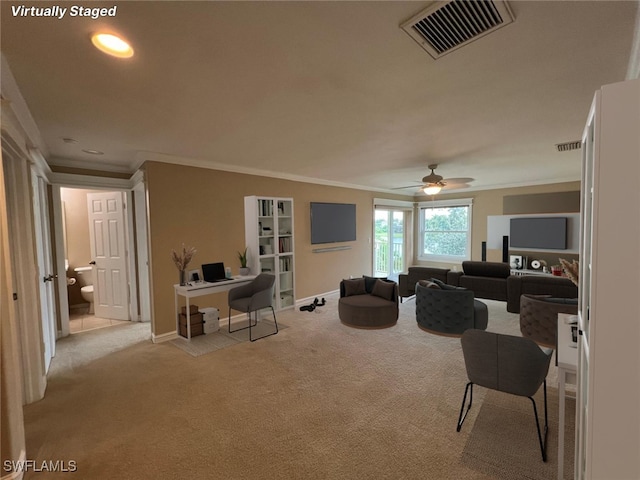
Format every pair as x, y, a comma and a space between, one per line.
571, 270
242, 256
556, 270
183, 259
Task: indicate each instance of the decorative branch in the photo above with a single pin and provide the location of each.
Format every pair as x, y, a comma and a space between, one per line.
182, 259
571, 270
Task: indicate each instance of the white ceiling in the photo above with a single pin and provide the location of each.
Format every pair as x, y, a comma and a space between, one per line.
333, 91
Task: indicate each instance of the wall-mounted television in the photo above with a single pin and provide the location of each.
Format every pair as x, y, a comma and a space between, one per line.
333, 222
538, 232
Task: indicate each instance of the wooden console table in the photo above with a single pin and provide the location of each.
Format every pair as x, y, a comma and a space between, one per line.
203, 288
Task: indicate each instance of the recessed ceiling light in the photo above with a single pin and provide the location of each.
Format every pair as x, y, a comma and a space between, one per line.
93, 152
112, 45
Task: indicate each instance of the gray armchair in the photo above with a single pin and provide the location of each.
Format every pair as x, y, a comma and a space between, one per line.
508, 364
449, 311
539, 317
252, 297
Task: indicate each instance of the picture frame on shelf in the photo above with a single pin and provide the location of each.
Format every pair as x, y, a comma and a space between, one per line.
193, 276
516, 262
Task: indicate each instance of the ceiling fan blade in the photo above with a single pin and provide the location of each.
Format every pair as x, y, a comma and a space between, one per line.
451, 181
406, 186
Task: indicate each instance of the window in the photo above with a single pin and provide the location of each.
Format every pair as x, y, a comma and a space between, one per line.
445, 230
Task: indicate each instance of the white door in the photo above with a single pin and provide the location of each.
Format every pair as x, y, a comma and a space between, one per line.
107, 236
45, 267
389, 247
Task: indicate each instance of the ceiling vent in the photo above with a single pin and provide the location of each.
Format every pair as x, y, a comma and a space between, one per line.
567, 146
446, 26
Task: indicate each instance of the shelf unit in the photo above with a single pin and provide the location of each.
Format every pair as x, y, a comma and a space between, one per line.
608, 392
269, 236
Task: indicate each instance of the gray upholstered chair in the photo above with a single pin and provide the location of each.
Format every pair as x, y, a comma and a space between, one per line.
539, 317
509, 364
252, 297
446, 310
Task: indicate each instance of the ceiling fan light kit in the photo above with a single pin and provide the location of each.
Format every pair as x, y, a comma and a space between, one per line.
432, 189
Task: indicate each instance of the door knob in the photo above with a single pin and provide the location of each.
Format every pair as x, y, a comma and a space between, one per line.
48, 278
93, 262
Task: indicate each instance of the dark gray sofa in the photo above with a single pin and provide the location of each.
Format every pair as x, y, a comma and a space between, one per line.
407, 281
485, 279
557, 287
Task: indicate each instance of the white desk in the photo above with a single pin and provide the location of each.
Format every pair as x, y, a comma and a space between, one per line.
567, 367
200, 289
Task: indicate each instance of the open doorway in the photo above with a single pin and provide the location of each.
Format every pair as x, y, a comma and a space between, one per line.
99, 250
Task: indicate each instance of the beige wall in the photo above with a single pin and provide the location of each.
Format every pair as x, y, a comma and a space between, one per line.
490, 202
205, 209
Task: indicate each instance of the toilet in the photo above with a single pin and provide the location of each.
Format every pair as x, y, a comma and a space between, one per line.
86, 280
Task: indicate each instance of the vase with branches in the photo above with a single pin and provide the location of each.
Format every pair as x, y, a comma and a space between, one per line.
182, 259
571, 270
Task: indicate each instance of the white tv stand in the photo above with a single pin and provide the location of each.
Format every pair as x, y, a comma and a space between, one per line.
525, 271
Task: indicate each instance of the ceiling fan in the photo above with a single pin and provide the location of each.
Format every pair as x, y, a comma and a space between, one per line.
433, 183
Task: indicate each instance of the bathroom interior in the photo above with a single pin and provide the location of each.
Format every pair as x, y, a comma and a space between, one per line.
78, 257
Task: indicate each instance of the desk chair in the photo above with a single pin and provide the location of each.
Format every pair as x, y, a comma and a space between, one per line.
253, 297
509, 364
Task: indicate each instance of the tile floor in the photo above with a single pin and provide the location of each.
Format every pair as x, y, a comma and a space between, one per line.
82, 322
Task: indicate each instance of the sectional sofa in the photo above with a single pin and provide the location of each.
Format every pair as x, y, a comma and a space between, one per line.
490, 280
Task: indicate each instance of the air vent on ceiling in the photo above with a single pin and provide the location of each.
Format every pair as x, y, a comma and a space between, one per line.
565, 147
446, 26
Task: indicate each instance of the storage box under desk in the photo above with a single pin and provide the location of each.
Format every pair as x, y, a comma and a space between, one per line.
197, 324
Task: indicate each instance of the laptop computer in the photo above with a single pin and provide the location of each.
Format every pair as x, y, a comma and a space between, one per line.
214, 272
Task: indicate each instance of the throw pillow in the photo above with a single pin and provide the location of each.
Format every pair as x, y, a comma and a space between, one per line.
442, 285
383, 289
428, 284
369, 282
354, 287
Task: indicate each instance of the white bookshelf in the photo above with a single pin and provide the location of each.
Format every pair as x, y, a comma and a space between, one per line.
269, 237
608, 393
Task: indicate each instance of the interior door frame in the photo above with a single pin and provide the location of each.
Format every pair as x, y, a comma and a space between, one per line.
44, 254
58, 181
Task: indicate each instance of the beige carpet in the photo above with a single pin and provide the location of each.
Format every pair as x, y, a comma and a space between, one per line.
319, 400
210, 342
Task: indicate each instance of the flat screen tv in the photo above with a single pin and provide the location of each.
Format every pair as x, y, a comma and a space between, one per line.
539, 233
333, 222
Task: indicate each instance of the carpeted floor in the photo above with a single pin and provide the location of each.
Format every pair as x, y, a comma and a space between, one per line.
320, 400
210, 342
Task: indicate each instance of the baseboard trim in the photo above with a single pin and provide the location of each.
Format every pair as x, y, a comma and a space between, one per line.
308, 300
163, 337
